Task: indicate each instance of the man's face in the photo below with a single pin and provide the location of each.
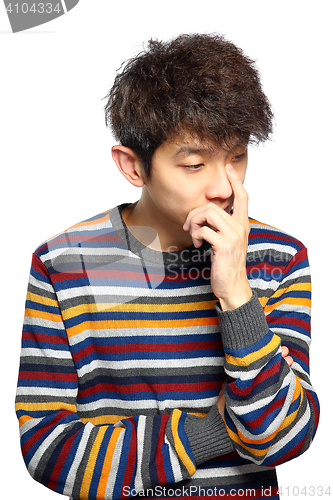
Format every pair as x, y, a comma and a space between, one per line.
187, 173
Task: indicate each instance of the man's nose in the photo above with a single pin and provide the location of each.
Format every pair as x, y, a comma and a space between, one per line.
218, 186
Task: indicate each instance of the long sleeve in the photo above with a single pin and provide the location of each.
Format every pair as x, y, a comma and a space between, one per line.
84, 460
272, 410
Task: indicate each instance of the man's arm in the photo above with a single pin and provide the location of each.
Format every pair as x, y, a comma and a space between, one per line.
271, 410
83, 460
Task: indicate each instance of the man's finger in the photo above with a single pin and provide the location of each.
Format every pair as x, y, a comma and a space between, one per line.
241, 199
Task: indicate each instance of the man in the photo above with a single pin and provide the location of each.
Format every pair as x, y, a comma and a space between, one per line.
155, 354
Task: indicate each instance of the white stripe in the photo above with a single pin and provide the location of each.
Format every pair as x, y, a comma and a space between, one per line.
265, 286
96, 291
70, 480
176, 469
44, 353
73, 249
293, 308
46, 391
45, 323
291, 333
140, 434
144, 332
282, 248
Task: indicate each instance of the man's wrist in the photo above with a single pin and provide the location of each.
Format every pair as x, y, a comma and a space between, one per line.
236, 299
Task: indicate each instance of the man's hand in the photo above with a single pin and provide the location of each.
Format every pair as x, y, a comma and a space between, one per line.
228, 236
220, 403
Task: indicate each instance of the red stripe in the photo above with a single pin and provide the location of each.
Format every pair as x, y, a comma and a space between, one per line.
274, 236
41, 337
39, 266
131, 459
107, 274
128, 348
162, 479
33, 375
289, 321
157, 388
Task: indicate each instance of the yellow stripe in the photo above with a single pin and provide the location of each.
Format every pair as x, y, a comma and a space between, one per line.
34, 313
88, 474
179, 445
104, 419
263, 300
250, 358
147, 308
54, 406
97, 325
297, 301
303, 287
107, 463
41, 300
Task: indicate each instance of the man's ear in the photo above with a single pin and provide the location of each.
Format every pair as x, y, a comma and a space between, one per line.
129, 165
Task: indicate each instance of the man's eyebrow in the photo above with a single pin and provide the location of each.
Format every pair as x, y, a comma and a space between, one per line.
192, 150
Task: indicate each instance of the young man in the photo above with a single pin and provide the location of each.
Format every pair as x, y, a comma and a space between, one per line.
155, 347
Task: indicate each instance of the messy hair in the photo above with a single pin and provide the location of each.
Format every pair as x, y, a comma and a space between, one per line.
197, 84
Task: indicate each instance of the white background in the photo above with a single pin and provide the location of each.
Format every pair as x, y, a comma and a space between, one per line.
56, 167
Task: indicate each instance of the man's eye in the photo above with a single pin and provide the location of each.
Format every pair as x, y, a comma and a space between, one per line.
194, 167
238, 157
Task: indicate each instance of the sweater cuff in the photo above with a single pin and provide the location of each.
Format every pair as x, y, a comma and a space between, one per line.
244, 326
208, 436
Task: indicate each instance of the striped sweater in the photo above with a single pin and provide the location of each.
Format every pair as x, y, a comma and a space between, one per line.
124, 353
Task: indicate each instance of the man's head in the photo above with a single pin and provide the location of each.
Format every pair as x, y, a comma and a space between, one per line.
196, 85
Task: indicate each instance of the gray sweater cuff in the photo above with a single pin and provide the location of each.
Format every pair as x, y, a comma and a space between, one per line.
244, 326
208, 436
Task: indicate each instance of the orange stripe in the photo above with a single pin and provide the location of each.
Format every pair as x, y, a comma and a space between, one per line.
33, 297
87, 478
289, 301
34, 313
52, 406
96, 325
147, 308
107, 463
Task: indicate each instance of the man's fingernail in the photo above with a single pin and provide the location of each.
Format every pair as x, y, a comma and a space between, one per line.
230, 168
